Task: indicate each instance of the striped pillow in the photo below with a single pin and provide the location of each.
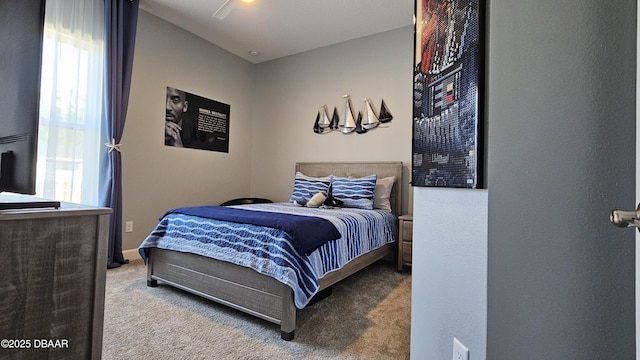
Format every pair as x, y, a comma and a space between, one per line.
304, 187
355, 192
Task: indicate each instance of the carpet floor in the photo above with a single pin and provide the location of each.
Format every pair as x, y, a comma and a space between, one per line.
367, 316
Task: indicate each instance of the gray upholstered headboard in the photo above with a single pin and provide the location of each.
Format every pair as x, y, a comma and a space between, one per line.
359, 169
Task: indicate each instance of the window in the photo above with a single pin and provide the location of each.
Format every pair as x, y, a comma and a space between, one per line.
71, 93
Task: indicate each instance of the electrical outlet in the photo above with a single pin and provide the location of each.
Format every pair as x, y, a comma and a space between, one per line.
128, 226
460, 352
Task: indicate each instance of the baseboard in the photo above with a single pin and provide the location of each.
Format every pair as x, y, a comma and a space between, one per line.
132, 255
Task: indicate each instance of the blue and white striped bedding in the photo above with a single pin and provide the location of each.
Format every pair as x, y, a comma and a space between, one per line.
269, 251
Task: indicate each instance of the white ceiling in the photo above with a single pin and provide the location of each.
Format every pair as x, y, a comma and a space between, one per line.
278, 28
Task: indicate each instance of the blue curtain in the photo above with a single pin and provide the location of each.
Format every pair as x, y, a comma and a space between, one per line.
121, 17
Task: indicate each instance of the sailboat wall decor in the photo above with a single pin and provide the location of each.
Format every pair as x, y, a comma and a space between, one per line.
335, 120
316, 126
385, 115
347, 124
324, 121
359, 128
368, 119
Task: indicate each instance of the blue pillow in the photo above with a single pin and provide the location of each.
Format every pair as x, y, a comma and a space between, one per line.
304, 187
354, 192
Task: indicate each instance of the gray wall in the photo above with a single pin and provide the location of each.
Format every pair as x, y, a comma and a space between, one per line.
561, 112
449, 283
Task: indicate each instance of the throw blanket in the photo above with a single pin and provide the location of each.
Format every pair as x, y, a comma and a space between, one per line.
307, 232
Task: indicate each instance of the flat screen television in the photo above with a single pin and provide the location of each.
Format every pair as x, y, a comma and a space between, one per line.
21, 37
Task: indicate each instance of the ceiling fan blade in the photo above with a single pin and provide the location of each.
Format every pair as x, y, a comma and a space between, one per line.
224, 10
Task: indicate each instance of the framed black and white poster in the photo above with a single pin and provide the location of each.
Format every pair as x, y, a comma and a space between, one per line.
192, 121
447, 94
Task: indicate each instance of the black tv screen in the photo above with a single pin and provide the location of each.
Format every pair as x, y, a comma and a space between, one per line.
21, 34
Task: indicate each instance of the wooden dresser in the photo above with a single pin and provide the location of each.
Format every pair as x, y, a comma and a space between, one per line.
53, 281
405, 241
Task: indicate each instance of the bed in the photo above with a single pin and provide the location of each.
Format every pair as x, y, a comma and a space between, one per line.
265, 293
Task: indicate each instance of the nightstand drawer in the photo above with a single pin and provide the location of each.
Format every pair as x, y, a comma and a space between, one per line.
407, 230
405, 242
406, 252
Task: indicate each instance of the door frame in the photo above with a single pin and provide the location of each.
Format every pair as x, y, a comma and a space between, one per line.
637, 238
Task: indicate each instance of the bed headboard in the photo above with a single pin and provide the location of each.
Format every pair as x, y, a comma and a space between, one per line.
359, 169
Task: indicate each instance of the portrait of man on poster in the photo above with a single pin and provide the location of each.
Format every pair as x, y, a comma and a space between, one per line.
178, 126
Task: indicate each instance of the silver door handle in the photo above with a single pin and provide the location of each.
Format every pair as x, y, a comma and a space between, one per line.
626, 218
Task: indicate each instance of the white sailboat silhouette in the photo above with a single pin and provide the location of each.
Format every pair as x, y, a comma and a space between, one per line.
370, 120
324, 121
347, 123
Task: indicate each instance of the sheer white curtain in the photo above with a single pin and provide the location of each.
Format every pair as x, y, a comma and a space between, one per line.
71, 101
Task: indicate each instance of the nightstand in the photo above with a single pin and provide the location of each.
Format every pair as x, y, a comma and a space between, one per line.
405, 240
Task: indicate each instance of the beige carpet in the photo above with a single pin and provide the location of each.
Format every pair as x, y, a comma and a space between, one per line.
366, 317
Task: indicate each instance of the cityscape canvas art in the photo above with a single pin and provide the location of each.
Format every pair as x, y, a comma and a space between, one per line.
447, 88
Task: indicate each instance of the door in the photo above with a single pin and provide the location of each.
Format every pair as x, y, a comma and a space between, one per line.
561, 109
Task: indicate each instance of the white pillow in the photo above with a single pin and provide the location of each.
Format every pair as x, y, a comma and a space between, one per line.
382, 193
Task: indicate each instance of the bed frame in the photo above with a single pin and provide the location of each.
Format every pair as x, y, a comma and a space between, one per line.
260, 295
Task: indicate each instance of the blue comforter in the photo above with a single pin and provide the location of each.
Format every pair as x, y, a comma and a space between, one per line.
307, 233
